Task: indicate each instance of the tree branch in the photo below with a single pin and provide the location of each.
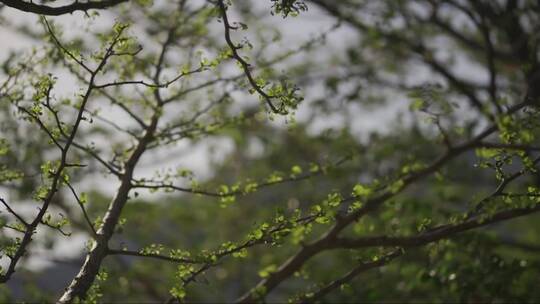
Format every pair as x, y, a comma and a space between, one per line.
360, 268
434, 234
60, 10
245, 66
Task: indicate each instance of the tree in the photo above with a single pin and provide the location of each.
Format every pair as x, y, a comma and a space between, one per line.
437, 203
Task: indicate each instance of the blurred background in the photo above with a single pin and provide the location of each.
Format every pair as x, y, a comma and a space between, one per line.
359, 121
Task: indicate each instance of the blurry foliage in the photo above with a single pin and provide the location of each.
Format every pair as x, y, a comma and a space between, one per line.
305, 187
